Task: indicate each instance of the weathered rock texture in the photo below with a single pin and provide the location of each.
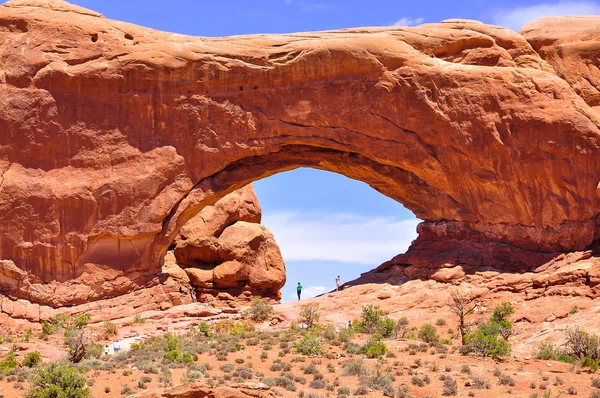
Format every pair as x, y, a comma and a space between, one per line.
225, 251
113, 136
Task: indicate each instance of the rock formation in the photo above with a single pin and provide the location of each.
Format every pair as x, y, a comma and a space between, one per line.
225, 251
114, 136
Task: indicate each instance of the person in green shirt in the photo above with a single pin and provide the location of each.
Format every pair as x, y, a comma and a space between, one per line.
299, 290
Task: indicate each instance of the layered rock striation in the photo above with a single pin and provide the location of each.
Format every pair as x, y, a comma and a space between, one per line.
114, 136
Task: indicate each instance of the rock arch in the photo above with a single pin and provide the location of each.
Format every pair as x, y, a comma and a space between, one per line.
112, 136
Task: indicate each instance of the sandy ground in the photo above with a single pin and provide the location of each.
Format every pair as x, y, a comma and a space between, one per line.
419, 303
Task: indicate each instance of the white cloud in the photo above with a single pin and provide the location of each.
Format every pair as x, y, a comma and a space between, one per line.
311, 291
517, 17
408, 21
340, 237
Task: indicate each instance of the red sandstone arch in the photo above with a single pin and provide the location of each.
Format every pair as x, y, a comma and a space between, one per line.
112, 136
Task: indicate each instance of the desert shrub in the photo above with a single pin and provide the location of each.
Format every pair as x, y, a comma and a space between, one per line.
440, 322
417, 381
371, 316
401, 327
329, 334
486, 341
343, 391
402, 391
574, 309
502, 312
354, 367
171, 342
506, 380
204, 329
428, 333
32, 359
48, 328
374, 347
450, 387
309, 344
352, 348
243, 372
480, 383
9, 362
485, 345
94, 351
582, 344
110, 329
77, 343
591, 364
386, 326
546, 351
58, 381
233, 328
310, 314
82, 320
345, 335
259, 310
284, 382
138, 318
192, 375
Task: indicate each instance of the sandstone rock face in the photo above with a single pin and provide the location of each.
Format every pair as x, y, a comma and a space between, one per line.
224, 249
113, 136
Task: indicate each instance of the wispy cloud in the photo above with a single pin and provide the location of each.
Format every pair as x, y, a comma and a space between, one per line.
340, 237
408, 21
310, 292
515, 18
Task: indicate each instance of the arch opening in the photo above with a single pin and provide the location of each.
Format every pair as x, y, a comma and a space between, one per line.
327, 225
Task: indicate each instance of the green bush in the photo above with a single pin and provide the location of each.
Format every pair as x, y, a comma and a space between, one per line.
546, 351
32, 359
173, 356
428, 333
82, 320
591, 364
48, 328
502, 312
485, 345
309, 344
58, 381
386, 326
9, 362
371, 316
171, 342
374, 347
205, 329
259, 310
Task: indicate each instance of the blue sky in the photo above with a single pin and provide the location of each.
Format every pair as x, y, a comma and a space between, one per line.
325, 223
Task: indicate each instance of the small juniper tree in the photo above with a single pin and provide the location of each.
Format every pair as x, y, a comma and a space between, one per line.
462, 305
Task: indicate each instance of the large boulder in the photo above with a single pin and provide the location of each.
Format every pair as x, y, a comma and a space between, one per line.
225, 249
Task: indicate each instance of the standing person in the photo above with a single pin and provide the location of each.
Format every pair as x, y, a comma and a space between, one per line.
337, 284
299, 290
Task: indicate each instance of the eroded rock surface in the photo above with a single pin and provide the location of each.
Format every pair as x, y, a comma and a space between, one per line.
224, 249
113, 136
